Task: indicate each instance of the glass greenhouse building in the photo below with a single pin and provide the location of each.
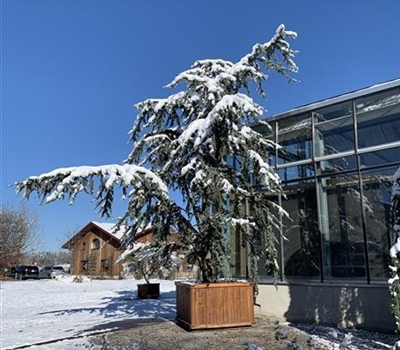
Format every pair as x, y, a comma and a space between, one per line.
336, 161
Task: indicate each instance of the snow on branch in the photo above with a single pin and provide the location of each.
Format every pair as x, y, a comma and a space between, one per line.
214, 85
239, 104
265, 52
242, 222
149, 258
264, 169
73, 180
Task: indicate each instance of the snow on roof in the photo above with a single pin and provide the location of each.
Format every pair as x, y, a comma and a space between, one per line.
110, 228
340, 98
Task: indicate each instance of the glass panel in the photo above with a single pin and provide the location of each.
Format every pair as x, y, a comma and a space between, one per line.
341, 227
387, 156
238, 261
336, 111
378, 118
337, 165
377, 187
238, 256
302, 247
294, 135
267, 131
334, 129
296, 172
271, 160
264, 274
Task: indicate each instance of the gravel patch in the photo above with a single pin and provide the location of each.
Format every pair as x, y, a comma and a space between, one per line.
265, 334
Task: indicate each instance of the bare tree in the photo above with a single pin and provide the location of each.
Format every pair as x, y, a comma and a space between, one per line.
49, 258
18, 235
69, 236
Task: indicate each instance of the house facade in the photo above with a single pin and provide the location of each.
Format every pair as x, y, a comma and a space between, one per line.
336, 161
95, 248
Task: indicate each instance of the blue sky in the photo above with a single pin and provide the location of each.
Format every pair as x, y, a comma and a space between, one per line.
72, 70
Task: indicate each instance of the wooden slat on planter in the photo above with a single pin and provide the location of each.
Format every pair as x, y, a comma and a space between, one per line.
214, 305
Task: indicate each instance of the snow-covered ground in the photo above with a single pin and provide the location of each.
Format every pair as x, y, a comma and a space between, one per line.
59, 314
40, 312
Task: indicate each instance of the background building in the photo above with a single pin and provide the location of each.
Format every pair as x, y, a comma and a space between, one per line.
95, 249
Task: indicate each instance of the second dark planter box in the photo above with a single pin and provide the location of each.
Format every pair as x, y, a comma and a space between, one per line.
148, 290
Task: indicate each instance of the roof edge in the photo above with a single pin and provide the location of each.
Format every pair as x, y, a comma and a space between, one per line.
337, 99
86, 229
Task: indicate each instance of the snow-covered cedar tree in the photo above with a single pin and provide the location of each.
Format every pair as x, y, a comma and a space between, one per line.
198, 142
152, 259
394, 281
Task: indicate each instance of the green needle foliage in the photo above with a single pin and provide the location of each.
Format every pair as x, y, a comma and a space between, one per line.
198, 142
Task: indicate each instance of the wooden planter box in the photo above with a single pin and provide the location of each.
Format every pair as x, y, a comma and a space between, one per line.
214, 305
148, 290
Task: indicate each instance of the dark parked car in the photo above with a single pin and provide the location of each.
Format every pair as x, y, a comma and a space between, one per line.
24, 272
11, 273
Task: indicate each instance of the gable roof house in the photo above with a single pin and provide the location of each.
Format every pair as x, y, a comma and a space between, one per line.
96, 247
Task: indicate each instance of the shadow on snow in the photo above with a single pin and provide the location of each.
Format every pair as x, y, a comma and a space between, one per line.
126, 308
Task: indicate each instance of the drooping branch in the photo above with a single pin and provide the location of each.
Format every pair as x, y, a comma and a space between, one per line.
150, 258
69, 182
